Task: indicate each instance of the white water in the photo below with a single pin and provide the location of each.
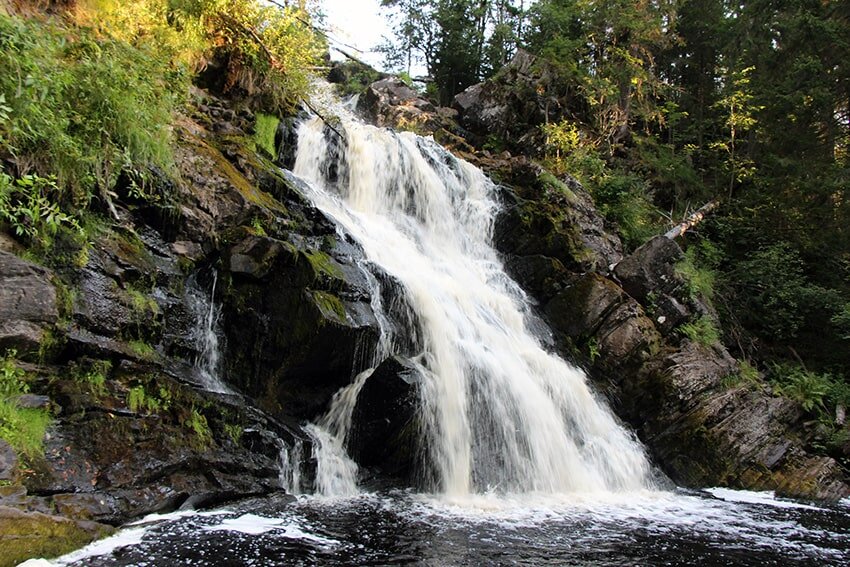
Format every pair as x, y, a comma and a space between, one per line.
290, 466
206, 337
501, 414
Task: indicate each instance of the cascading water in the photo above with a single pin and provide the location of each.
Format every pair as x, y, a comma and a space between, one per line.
500, 413
206, 335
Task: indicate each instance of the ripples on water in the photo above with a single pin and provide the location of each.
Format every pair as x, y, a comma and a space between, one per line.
720, 527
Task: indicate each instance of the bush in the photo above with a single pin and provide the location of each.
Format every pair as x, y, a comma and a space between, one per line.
83, 107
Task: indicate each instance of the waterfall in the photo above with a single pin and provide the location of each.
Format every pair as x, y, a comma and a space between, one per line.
206, 335
500, 413
290, 466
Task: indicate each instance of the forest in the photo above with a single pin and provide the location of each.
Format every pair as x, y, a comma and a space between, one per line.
668, 105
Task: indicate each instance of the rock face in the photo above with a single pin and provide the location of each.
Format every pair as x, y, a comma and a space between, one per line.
385, 433
136, 426
28, 306
674, 392
512, 104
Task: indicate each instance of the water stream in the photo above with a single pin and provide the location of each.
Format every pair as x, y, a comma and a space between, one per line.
531, 467
500, 412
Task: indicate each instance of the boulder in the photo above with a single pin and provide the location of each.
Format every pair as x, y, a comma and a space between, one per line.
390, 102
8, 462
651, 269
34, 534
385, 431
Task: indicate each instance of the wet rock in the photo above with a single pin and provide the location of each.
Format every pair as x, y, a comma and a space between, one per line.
385, 426
254, 256
34, 534
28, 304
551, 217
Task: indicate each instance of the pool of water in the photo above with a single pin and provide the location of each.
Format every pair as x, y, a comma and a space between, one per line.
713, 527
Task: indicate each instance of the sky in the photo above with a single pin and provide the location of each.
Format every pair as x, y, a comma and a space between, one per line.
359, 23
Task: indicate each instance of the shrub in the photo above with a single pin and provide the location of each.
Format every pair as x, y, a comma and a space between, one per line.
83, 107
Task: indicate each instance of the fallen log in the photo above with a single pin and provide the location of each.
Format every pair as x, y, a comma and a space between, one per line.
692, 220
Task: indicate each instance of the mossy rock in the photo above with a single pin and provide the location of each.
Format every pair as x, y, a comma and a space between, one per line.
25, 535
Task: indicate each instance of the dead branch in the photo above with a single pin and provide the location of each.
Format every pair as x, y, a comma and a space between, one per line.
692, 220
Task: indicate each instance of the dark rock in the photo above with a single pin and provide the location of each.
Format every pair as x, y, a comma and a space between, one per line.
32, 401
514, 102
385, 426
8, 461
286, 141
28, 304
254, 256
557, 219
651, 269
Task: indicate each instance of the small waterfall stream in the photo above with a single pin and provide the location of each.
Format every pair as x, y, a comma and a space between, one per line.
206, 334
500, 412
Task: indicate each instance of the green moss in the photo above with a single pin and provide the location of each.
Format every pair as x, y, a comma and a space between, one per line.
236, 178
264, 133
24, 536
141, 302
323, 264
551, 183
330, 305
142, 349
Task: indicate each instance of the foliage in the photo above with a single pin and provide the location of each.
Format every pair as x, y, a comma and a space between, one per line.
22, 428
811, 389
620, 195
459, 41
702, 331
93, 376
29, 205
747, 374
83, 107
197, 422
695, 269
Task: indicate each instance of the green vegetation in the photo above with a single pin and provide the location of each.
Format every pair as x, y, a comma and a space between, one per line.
22, 428
140, 400
264, 132
142, 349
92, 376
702, 331
197, 422
88, 96
700, 278
818, 392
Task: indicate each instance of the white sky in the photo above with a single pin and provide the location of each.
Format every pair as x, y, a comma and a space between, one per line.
360, 23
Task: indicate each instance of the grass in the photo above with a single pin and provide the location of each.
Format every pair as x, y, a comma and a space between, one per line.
22, 428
